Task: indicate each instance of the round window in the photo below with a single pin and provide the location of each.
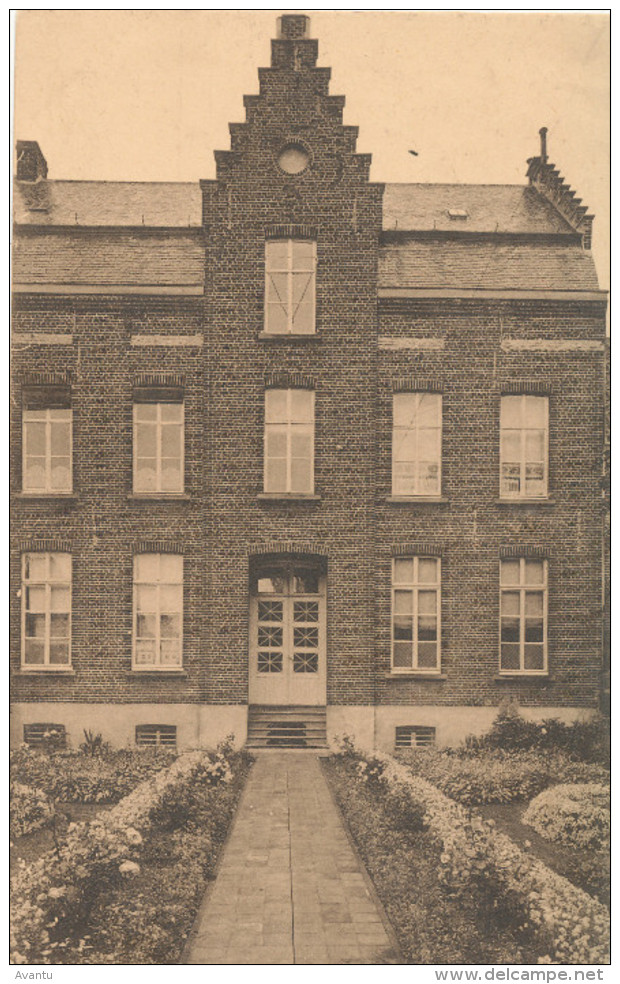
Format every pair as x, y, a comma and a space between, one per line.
293, 159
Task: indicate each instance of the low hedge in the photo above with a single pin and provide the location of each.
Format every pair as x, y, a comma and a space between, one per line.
564, 923
576, 814
75, 777
53, 896
496, 776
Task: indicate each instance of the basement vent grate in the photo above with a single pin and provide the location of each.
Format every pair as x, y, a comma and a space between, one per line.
154, 735
415, 736
41, 734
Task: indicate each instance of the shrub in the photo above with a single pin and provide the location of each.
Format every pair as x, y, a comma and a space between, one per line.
30, 809
94, 744
76, 777
576, 814
588, 741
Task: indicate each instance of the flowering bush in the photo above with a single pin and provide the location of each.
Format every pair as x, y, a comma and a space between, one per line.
30, 809
53, 895
567, 925
496, 776
576, 814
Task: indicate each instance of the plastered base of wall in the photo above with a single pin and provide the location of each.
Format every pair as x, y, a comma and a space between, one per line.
198, 726
203, 726
375, 727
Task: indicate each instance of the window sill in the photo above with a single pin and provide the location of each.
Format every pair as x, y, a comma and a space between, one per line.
525, 675
63, 496
542, 501
287, 497
154, 672
414, 499
270, 336
164, 496
414, 675
45, 670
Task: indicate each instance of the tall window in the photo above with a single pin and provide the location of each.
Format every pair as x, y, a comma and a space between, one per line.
416, 444
158, 610
158, 440
523, 629
524, 446
47, 439
290, 266
46, 609
289, 440
415, 613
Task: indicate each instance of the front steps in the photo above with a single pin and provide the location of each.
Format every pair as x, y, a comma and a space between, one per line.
287, 726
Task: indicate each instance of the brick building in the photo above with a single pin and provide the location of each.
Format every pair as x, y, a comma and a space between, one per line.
295, 451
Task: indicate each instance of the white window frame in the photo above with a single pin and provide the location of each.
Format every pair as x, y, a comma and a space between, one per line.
289, 426
415, 586
522, 587
46, 583
523, 463
289, 270
399, 429
159, 425
48, 417
157, 584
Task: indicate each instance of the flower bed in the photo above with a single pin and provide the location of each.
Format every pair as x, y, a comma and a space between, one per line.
55, 899
402, 857
577, 814
30, 809
563, 923
497, 776
76, 777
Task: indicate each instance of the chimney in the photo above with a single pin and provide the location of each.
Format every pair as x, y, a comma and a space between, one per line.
293, 27
543, 144
31, 164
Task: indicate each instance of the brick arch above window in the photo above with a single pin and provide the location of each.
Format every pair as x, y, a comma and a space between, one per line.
306, 547
158, 546
417, 384
41, 378
532, 552
425, 548
45, 546
284, 379
290, 231
540, 387
159, 379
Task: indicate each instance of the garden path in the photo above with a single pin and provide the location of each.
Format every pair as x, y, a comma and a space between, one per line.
290, 887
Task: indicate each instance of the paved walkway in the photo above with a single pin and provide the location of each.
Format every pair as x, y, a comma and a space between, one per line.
290, 888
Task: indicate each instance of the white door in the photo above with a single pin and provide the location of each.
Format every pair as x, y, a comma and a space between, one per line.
287, 632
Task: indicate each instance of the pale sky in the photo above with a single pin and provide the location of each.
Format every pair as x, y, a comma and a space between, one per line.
148, 95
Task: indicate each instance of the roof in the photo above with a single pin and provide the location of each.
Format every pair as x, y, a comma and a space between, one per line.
112, 258
489, 208
415, 258
492, 265
417, 207
108, 203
